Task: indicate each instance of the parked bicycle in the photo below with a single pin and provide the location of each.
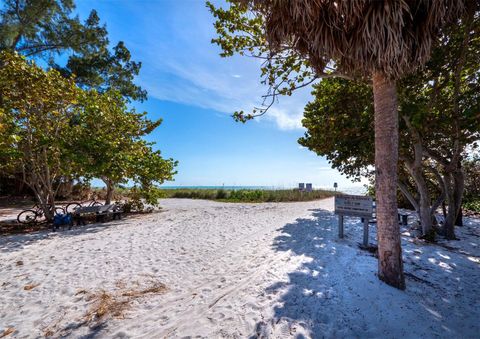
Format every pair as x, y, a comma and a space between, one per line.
36, 214
71, 207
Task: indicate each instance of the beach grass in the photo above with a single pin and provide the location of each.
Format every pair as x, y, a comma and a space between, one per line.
247, 195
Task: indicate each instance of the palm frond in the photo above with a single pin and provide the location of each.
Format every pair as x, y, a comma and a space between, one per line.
392, 37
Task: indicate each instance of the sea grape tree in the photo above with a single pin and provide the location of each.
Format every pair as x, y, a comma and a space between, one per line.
108, 139
36, 108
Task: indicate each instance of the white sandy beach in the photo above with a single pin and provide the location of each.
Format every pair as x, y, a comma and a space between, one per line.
273, 270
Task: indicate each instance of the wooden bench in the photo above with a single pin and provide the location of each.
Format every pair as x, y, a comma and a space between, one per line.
100, 213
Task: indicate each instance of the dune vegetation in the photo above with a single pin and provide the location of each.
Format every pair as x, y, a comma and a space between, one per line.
247, 195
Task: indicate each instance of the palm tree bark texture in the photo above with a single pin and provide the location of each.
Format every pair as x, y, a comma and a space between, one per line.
386, 161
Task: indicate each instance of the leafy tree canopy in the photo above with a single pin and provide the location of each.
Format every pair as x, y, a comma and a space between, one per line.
46, 28
339, 123
440, 101
36, 107
108, 141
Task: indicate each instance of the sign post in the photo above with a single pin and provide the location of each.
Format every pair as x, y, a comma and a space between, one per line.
356, 206
340, 226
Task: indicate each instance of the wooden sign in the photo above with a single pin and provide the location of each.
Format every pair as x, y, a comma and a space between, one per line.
354, 205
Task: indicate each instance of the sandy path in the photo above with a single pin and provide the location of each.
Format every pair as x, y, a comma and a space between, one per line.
233, 271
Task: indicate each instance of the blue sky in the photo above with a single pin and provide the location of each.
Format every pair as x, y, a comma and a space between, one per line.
195, 92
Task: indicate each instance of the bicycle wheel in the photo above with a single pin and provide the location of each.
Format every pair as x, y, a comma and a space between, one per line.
27, 217
59, 210
70, 208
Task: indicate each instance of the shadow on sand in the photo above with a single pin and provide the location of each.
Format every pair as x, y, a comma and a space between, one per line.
336, 293
16, 242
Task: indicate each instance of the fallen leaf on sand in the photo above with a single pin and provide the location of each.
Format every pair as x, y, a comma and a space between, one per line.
49, 333
7, 331
30, 286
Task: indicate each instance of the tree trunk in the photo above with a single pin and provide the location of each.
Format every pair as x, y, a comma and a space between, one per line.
423, 210
459, 182
415, 168
45, 200
44, 196
454, 186
390, 264
448, 229
425, 215
110, 189
440, 201
411, 199
51, 206
459, 221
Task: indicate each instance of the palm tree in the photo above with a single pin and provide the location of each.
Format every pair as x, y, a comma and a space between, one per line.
382, 40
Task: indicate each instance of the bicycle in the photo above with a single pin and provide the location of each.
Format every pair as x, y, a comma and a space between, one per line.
71, 207
35, 214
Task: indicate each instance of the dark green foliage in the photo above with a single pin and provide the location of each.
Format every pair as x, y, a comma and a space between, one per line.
104, 70
137, 197
221, 194
249, 196
402, 202
191, 194
47, 28
339, 123
471, 168
43, 28
473, 205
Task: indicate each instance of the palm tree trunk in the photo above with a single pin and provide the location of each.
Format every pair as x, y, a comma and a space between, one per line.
390, 264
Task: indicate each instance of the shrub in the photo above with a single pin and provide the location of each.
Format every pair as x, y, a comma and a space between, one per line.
472, 206
221, 194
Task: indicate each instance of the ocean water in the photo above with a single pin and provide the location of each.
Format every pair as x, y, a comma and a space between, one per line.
357, 190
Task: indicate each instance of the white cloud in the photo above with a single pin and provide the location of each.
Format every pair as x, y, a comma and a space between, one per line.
284, 119
195, 74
